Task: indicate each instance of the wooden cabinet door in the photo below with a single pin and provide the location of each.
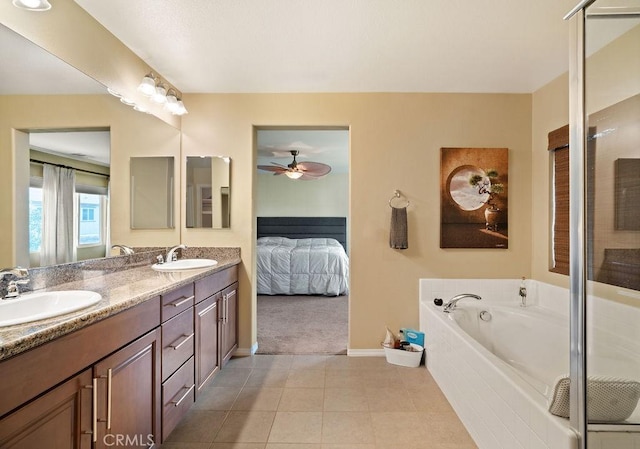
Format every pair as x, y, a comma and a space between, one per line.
129, 404
229, 322
58, 419
206, 330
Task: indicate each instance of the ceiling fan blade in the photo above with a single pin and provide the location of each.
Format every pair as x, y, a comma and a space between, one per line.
276, 170
279, 165
314, 169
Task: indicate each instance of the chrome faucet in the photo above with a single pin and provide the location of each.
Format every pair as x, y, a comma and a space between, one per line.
13, 289
451, 304
171, 254
523, 294
126, 250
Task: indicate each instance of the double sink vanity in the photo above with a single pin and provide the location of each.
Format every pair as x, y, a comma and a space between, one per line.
124, 370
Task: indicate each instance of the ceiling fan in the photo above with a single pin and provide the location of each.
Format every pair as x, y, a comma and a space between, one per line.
298, 170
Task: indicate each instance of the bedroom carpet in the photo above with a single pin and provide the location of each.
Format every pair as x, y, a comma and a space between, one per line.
302, 324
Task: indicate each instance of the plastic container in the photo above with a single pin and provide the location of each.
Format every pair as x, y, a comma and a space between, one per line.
404, 358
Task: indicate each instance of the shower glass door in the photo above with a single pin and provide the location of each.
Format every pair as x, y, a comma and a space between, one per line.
612, 222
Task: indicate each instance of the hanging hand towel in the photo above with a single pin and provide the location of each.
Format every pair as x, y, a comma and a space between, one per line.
398, 234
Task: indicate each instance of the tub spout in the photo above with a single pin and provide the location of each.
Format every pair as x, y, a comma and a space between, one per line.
523, 294
451, 304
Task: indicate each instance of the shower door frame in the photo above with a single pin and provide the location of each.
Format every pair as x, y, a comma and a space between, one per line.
578, 275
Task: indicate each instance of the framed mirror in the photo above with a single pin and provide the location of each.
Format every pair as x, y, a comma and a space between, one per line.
152, 186
208, 196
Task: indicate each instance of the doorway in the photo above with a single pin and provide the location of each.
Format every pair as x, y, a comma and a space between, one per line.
302, 261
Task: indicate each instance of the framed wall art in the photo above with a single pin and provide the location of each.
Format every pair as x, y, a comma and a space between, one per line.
473, 198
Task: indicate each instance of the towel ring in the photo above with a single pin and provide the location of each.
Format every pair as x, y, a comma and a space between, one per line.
397, 195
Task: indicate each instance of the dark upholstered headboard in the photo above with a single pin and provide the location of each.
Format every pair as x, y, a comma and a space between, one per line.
304, 228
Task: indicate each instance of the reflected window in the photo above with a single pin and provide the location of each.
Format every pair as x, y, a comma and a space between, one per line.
35, 219
90, 223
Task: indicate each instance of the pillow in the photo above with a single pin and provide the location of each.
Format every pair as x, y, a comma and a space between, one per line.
275, 241
609, 399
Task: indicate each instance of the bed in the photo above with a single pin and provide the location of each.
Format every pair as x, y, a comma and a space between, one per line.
302, 256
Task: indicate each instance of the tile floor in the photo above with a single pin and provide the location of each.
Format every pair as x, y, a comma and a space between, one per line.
320, 402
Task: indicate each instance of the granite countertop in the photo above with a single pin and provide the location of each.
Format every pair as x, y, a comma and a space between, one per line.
120, 289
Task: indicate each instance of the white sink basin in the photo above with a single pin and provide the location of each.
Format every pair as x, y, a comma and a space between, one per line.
184, 264
37, 306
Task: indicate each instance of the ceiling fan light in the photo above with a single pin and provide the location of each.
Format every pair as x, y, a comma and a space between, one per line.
147, 86
32, 5
294, 174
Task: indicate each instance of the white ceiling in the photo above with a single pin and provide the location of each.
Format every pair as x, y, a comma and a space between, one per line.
329, 147
345, 45
87, 146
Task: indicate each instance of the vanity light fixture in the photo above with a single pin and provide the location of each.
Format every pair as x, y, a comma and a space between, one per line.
148, 85
127, 101
181, 110
32, 5
161, 93
113, 92
160, 96
171, 104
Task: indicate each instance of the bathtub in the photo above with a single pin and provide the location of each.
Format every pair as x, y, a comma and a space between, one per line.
498, 371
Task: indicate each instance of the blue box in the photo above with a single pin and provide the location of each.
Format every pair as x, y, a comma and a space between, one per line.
414, 336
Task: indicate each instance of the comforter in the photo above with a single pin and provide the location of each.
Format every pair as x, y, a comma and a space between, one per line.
315, 266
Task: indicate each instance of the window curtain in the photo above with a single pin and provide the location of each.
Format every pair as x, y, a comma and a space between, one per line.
58, 192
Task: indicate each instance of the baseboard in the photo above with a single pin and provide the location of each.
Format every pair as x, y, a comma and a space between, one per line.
244, 352
365, 352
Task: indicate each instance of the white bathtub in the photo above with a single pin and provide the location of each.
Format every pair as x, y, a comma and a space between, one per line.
498, 374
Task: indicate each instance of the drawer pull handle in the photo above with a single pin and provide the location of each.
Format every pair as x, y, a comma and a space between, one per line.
185, 339
177, 403
184, 299
109, 395
94, 407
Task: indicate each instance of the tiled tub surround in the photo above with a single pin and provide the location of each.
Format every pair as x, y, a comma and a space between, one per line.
504, 407
123, 282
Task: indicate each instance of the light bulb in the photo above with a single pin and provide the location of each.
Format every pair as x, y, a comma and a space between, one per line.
293, 174
181, 110
147, 86
160, 96
172, 103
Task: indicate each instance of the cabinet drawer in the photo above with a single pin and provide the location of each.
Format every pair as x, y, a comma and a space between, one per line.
177, 342
176, 301
206, 287
177, 397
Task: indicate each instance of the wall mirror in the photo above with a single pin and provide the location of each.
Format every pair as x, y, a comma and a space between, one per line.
43, 96
152, 186
208, 198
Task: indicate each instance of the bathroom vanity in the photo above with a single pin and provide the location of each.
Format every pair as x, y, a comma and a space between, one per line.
125, 371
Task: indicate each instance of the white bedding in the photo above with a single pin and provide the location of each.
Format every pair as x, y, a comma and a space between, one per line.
315, 266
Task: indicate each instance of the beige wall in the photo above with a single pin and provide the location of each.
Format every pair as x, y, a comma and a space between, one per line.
279, 196
132, 134
395, 142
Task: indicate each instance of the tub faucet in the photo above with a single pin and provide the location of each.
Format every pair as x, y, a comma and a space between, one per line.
523, 294
451, 304
126, 250
171, 254
13, 290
